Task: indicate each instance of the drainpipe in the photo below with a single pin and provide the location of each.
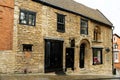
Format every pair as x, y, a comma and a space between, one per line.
113, 69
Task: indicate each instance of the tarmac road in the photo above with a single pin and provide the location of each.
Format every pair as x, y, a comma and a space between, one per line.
56, 77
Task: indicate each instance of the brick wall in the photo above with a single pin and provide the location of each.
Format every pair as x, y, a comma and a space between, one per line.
7, 56
117, 40
6, 24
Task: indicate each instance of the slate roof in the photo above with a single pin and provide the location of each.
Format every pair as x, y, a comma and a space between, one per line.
72, 6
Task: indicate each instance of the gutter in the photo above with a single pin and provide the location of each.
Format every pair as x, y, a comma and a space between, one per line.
63, 9
113, 68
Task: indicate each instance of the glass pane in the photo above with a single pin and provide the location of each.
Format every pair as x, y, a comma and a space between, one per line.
83, 30
60, 27
31, 19
97, 56
23, 18
83, 23
60, 18
84, 27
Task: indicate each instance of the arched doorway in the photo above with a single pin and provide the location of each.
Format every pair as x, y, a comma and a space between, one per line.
82, 56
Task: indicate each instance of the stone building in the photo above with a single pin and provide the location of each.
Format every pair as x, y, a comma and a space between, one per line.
60, 35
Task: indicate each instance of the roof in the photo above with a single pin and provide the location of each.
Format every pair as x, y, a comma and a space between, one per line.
75, 7
116, 35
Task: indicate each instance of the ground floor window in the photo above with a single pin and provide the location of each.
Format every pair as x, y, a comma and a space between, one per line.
27, 47
97, 56
116, 59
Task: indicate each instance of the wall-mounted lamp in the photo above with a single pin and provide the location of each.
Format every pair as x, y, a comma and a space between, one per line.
107, 49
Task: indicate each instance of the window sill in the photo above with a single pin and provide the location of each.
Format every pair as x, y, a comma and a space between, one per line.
84, 35
61, 31
27, 24
116, 61
98, 41
97, 64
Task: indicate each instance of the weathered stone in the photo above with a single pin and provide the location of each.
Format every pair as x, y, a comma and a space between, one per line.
46, 27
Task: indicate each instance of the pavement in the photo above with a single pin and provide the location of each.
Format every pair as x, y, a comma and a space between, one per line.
57, 76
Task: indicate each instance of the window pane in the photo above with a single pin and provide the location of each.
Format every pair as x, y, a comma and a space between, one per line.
23, 18
31, 19
27, 47
60, 23
97, 56
27, 17
60, 27
84, 27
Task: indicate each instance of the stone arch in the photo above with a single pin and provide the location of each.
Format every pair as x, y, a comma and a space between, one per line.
86, 42
84, 56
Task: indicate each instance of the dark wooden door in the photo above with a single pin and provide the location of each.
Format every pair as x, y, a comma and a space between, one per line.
70, 58
53, 55
82, 55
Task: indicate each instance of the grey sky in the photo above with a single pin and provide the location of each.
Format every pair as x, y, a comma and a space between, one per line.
110, 8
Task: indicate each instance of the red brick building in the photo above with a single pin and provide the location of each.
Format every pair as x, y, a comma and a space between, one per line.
6, 24
116, 50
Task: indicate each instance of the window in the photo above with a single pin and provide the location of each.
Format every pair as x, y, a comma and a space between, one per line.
60, 23
114, 39
84, 27
115, 46
97, 35
97, 56
116, 58
27, 17
27, 47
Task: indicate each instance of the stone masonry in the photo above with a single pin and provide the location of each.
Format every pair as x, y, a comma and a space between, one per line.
46, 27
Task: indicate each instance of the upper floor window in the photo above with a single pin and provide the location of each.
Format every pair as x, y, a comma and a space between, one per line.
114, 39
97, 33
84, 27
97, 56
60, 23
27, 17
115, 46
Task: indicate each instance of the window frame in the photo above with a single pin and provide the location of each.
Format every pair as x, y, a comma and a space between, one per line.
115, 46
82, 28
61, 23
27, 13
116, 57
100, 56
95, 36
30, 45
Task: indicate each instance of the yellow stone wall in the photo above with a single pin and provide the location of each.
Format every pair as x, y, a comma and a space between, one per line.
46, 27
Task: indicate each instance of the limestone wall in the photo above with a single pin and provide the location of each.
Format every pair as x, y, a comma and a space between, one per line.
46, 27
7, 62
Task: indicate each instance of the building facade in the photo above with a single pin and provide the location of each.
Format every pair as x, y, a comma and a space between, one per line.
116, 51
7, 57
60, 35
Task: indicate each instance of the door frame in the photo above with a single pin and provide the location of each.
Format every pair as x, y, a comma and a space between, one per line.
70, 55
47, 66
82, 55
